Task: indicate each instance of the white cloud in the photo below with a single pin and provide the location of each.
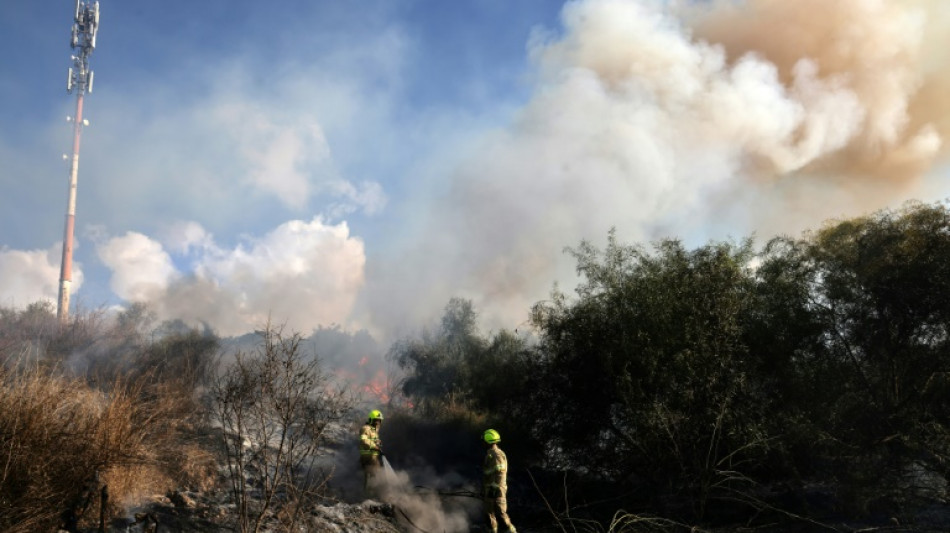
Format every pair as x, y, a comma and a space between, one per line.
368, 196
302, 274
28, 276
141, 268
182, 237
228, 143
286, 158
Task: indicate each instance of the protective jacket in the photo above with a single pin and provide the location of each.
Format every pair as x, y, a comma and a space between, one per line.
495, 473
370, 445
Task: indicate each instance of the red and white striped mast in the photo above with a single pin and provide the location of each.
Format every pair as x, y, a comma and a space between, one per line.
83, 42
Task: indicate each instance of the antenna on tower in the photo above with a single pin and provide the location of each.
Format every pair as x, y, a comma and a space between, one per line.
83, 42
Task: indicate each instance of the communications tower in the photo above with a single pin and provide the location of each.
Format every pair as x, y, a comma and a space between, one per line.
83, 42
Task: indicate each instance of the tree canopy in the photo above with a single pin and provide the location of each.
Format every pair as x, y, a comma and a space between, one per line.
707, 374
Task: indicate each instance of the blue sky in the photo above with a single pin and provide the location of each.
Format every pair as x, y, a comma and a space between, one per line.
359, 163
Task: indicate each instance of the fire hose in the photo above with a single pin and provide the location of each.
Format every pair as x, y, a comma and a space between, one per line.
411, 523
457, 493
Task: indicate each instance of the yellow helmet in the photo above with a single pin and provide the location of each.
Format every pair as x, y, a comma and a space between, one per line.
375, 415
491, 436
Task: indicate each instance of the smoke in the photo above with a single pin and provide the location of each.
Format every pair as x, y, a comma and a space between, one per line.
428, 499
699, 121
290, 158
885, 56
27, 276
299, 275
421, 506
424, 509
435, 474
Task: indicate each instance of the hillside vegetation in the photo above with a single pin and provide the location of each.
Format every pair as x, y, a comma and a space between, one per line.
802, 383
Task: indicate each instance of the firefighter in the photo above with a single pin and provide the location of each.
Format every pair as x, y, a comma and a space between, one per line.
495, 483
371, 450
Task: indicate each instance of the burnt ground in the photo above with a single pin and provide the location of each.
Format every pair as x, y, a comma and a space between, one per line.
191, 512
213, 512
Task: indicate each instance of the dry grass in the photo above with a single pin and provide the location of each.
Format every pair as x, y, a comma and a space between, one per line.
104, 394
56, 432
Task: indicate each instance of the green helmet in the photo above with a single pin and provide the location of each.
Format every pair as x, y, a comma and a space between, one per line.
375, 415
491, 436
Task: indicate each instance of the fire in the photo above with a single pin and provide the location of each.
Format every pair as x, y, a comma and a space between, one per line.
372, 383
377, 387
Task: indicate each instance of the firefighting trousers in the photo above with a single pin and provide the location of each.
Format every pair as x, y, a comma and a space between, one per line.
497, 510
371, 468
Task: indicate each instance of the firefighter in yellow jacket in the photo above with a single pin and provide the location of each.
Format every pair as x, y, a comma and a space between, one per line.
371, 448
495, 483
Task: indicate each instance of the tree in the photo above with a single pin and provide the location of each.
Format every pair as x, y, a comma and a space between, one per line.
872, 296
276, 408
646, 371
437, 365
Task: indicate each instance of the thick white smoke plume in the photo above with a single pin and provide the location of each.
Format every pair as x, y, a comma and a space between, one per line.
885, 58
710, 120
